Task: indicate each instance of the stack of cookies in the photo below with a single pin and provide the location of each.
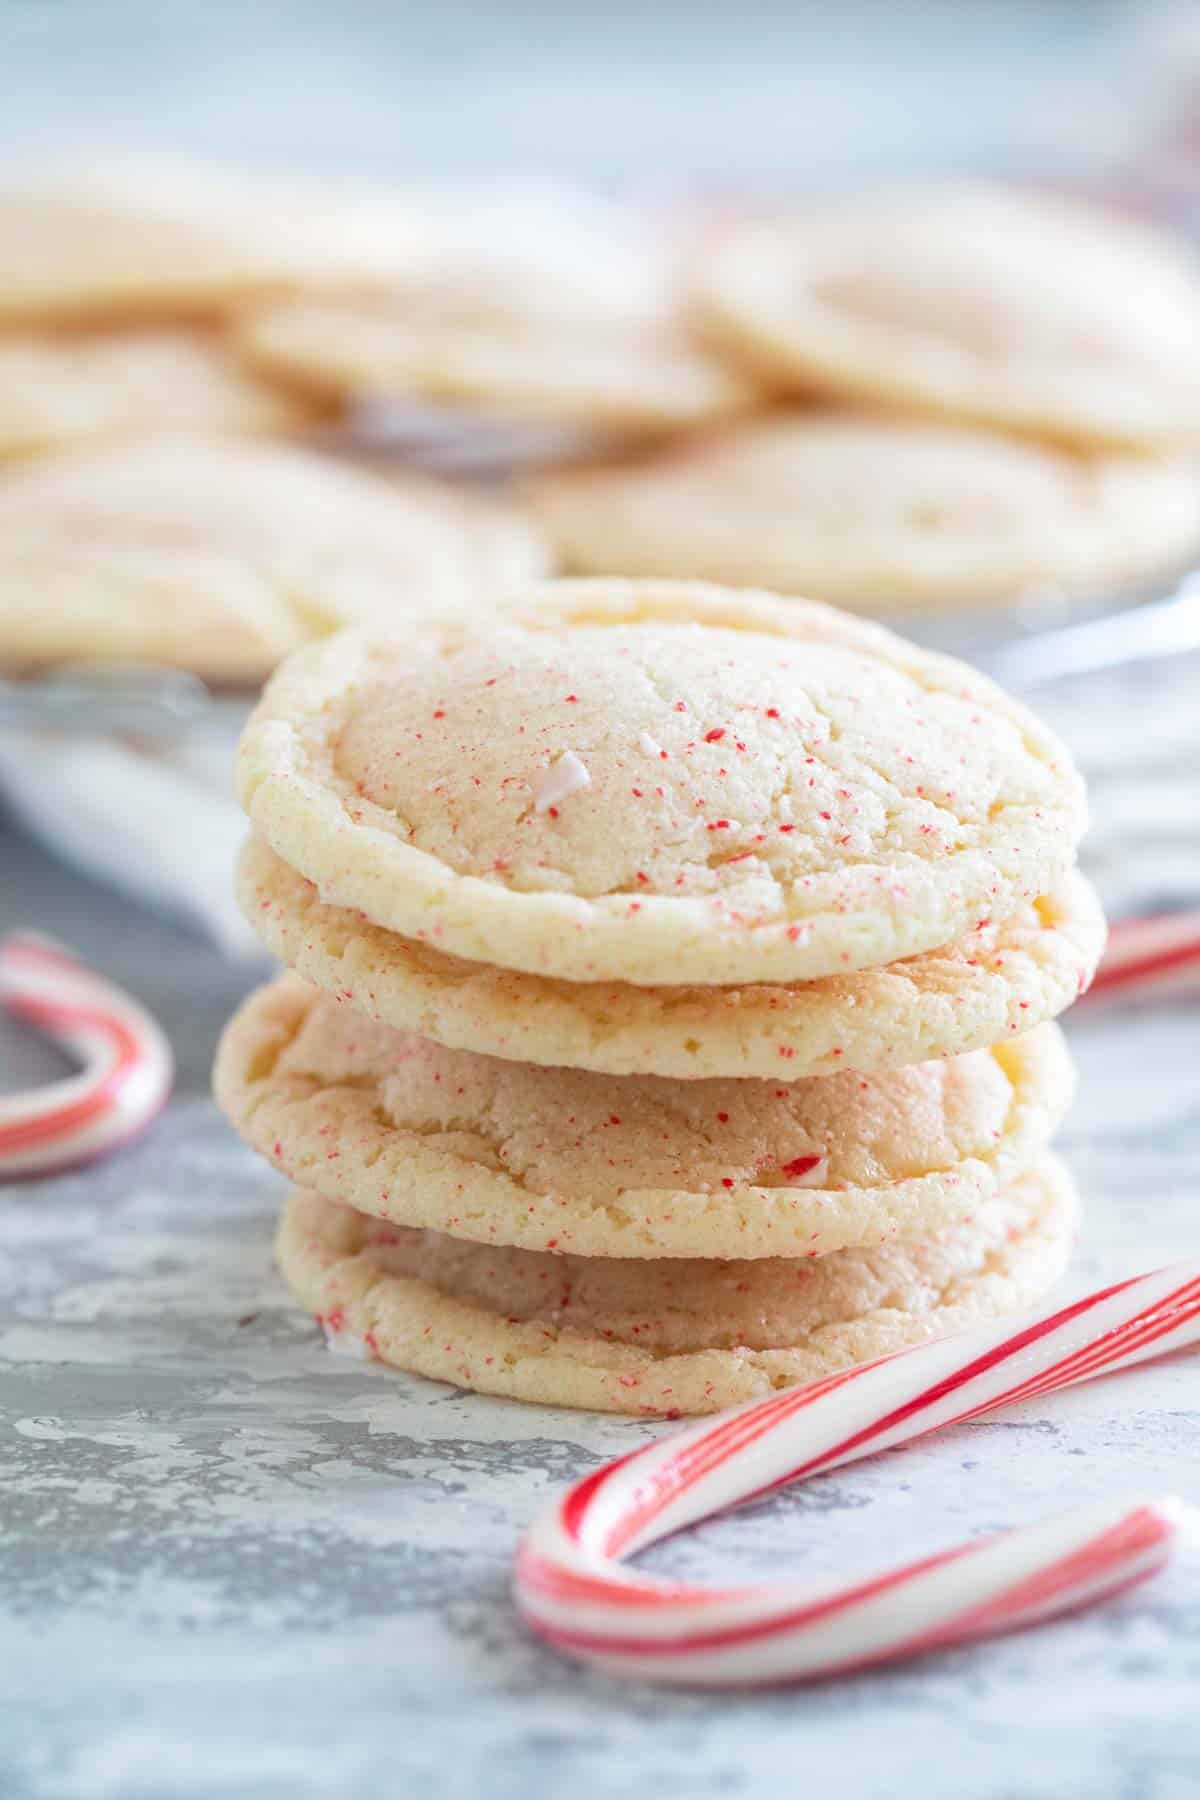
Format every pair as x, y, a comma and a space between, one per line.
672, 977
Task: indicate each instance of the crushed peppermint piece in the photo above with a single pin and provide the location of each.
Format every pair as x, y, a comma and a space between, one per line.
344, 1343
567, 775
806, 1171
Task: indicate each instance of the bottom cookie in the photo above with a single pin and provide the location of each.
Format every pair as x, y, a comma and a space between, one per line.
668, 1337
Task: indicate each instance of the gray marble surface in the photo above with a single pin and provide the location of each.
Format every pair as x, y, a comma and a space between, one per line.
232, 1565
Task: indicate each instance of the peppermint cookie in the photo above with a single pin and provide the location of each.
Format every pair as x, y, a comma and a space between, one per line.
659, 783
971, 302
599, 1165
517, 360
662, 1338
222, 557
57, 391
876, 513
1004, 977
125, 239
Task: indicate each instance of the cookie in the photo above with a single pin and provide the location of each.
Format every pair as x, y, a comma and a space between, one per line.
1004, 977
129, 240
876, 514
662, 1338
605, 1165
222, 557
618, 376
659, 783
1025, 312
57, 391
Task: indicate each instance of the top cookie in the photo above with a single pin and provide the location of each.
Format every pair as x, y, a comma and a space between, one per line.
975, 303
659, 783
875, 513
222, 557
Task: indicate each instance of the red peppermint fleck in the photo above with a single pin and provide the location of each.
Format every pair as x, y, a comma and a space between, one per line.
726, 1182
800, 1165
715, 735
572, 699
719, 825
440, 713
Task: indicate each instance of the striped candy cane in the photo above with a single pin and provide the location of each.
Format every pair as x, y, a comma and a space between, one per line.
571, 1588
1153, 956
127, 1063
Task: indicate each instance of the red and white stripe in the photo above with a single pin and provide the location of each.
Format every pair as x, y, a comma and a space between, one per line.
126, 1072
1157, 956
571, 1588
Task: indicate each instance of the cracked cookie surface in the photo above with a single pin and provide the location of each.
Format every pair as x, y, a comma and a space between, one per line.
572, 1161
659, 782
662, 1337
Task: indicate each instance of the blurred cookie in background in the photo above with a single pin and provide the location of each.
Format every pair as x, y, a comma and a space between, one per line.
1025, 312
119, 239
222, 557
529, 314
875, 513
56, 391
620, 377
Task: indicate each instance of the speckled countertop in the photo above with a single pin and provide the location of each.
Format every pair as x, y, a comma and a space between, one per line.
234, 1566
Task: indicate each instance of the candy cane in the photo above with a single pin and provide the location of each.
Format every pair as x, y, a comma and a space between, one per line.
127, 1062
1157, 955
571, 1590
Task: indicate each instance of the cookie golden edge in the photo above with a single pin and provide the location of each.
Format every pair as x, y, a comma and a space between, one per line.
332, 1139
621, 936
414, 1326
970, 995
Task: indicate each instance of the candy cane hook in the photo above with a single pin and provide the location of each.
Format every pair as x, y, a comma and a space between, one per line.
572, 1590
127, 1067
